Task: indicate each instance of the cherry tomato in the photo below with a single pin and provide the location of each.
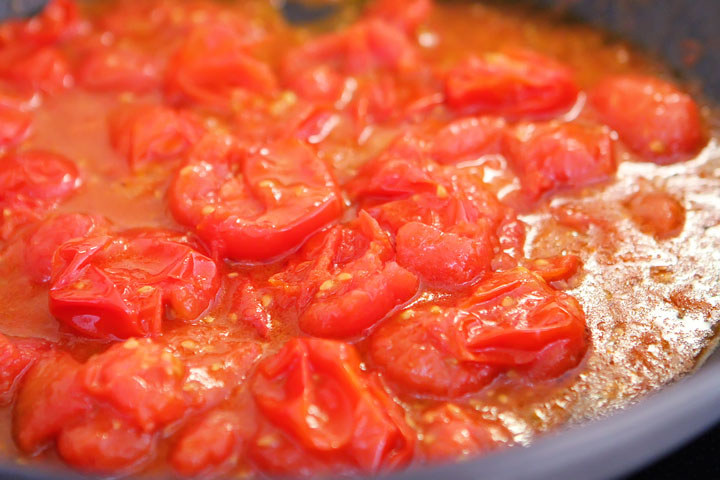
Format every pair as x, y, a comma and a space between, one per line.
657, 213
513, 83
151, 133
59, 20
468, 138
211, 64
549, 157
557, 268
512, 320
113, 287
51, 234
344, 280
254, 206
653, 117
16, 357
15, 126
405, 14
45, 70
119, 69
450, 433
250, 307
315, 392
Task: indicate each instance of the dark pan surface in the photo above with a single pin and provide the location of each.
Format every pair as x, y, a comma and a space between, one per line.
684, 33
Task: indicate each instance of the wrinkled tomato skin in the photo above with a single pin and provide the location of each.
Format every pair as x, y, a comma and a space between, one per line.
45, 70
314, 380
551, 157
116, 287
468, 138
16, 357
287, 194
652, 117
513, 83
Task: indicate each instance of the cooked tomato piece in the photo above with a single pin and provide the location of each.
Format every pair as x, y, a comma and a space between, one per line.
653, 117
113, 287
51, 234
657, 213
119, 69
513, 83
31, 182
450, 433
512, 320
557, 268
101, 444
59, 20
405, 14
250, 307
549, 157
150, 133
15, 126
254, 206
17, 355
45, 70
316, 393
468, 138
212, 63
345, 280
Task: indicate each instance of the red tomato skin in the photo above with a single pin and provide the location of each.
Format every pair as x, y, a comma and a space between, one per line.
45, 70
248, 306
657, 213
554, 269
286, 195
514, 83
17, 356
210, 65
118, 69
315, 392
652, 117
550, 157
59, 20
92, 296
153, 133
468, 138
15, 126
50, 235
407, 15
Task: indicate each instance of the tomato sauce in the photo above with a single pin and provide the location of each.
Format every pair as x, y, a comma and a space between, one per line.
413, 234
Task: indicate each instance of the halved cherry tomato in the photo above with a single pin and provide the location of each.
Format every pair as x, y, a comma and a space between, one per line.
59, 20
512, 320
51, 234
119, 69
150, 133
468, 138
405, 14
254, 206
557, 268
316, 393
17, 355
344, 280
548, 157
513, 83
653, 117
120, 286
450, 433
657, 213
211, 64
15, 126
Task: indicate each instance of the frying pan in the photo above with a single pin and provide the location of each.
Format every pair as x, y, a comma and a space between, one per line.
616, 445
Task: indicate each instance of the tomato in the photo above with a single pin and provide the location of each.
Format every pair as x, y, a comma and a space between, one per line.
344, 280
512, 83
103, 444
59, 20
250, 307
31, 182
468, 138
119, 69
113, 287
16, 357
45, 70
211, 64
51, 234
405, 14
316, 393
15, 126
557, 268
103, 413
512, 320
450, 433
316, 68
653, 117
151, 133
657, 213
254, 206
549, 157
